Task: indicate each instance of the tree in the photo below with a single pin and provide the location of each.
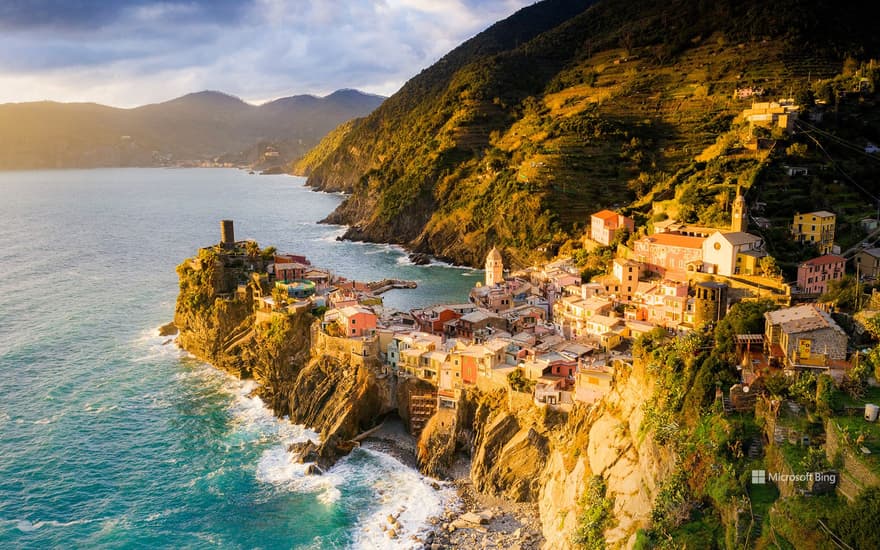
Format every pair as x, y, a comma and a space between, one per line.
769, 268
872, 359
843, 293
518, 382
252, 249
872, 326
805, 98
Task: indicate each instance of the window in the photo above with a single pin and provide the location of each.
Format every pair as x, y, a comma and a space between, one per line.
353, 321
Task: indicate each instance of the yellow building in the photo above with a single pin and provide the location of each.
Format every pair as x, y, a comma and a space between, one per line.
815, 227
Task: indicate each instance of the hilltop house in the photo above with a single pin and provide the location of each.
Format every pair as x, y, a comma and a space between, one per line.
605, 225
804, 337
773, 114
813, 275
815, 227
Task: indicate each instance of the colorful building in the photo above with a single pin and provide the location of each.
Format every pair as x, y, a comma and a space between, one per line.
606, 225
815, 227
357, 321
669, 254
813, 275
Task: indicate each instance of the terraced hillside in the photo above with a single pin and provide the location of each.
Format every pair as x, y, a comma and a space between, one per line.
569, 106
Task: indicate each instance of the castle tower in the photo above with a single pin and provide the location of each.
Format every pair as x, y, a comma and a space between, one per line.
494, 268
227, 234
739, 220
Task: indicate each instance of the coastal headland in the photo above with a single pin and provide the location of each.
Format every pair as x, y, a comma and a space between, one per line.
327, 355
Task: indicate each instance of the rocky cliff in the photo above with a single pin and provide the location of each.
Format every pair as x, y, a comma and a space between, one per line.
336, 398
531, 454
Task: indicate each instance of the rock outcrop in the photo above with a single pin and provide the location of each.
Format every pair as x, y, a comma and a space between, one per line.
333, 397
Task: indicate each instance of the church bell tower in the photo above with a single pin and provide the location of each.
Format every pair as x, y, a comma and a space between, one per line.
494, 268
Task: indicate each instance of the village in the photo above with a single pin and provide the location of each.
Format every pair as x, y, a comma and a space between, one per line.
546, 332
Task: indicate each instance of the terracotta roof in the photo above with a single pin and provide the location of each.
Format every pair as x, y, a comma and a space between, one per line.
826, 259
680, 241
606, 215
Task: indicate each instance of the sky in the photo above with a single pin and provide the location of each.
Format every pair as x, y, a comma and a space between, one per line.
133, 52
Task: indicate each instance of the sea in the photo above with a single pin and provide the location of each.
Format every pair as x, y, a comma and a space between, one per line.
112, 437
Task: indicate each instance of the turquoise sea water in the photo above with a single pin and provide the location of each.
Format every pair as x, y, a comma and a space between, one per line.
110, 439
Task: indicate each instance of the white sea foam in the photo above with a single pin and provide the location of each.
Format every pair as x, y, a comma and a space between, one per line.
399, 491
27, 526
99, 409
151, 346
396, 488
332, 235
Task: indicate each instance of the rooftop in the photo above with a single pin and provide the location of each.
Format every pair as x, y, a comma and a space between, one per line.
737, 238
826, 259
606, 215
818, 214
801, 319
671, 239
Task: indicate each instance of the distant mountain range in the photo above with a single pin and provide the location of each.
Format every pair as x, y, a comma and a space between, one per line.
202, 126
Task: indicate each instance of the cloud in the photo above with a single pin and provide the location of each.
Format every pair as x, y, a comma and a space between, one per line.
139, 51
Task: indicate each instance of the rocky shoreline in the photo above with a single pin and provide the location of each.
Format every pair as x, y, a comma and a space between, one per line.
472, 520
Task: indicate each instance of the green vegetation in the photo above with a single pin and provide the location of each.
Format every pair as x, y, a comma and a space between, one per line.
518, 381
568, 106
815, 522
595, 516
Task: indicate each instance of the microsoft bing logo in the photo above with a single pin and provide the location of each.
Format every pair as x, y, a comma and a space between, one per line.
759, 477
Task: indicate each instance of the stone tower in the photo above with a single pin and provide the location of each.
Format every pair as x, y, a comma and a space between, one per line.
710, 302
494, 268
227, 234
739, 220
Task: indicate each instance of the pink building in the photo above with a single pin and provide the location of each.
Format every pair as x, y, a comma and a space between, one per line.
813, 275
669, 253
605, 225
357, 321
